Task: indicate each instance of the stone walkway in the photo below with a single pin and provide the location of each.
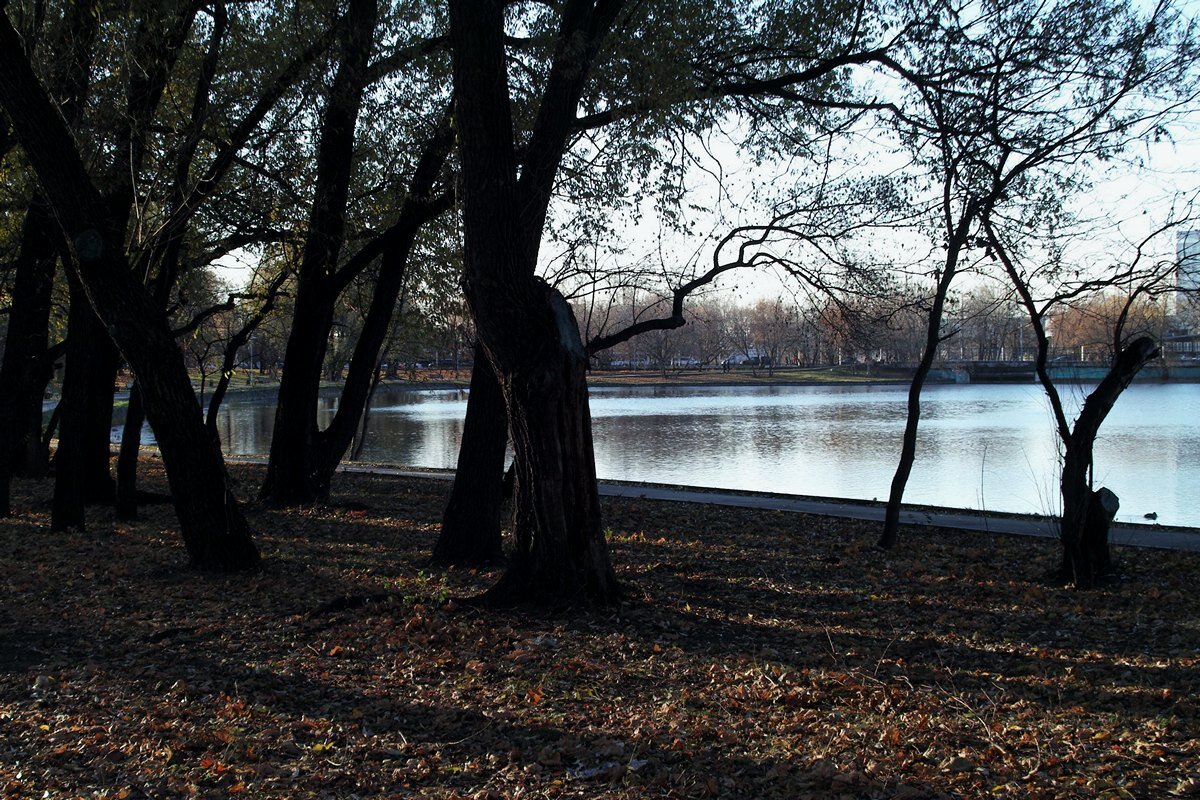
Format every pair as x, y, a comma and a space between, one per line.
1123, 534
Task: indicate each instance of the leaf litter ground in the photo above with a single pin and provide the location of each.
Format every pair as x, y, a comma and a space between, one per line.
760, 654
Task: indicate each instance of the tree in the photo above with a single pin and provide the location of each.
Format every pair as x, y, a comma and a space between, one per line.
1010, 104
674, 69
526, 327
1086, 511
303, 457
213, 527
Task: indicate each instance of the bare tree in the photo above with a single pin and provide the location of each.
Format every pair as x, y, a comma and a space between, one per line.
1010, 104
1086, 510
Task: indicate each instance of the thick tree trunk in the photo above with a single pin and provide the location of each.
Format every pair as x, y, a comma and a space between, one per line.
1086, 560
559, 554
28, 366
104, 361
471, 522
525, 326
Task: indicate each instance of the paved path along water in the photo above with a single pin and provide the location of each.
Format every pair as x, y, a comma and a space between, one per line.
1135, 535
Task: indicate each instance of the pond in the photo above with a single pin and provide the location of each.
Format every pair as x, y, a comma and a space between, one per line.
982, 446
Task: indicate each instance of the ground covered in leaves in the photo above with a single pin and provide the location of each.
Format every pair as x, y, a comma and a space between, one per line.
759, 655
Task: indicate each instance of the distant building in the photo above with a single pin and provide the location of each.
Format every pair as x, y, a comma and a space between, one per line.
1187, 261
1184, 337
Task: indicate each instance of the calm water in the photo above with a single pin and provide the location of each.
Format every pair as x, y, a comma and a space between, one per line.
981, 446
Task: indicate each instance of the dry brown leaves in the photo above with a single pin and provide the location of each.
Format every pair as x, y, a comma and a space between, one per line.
759, 655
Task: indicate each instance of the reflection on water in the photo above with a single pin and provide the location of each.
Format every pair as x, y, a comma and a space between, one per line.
981, 446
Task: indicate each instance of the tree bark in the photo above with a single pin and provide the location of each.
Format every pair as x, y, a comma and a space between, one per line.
559, 554
334, 442
471, 525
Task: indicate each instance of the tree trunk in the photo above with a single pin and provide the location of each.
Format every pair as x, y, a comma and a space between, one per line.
1086, 560
559, 554
28, 366
357, 444
104, 361
471, 522
933, 339
1084, 534
24, 372
127, 458
526, 327
26, 358
67, 505
335, 441
81, 462
292, 474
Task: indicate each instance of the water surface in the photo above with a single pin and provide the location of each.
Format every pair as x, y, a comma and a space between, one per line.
981, 446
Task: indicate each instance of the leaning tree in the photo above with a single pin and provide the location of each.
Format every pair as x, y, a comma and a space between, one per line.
1044, 286
1008, 107
93, 226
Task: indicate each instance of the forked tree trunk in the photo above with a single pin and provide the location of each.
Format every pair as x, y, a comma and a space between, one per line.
471, 523
526, 327
1085, 519
299, 470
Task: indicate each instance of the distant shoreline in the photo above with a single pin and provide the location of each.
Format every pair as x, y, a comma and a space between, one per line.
430, 380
